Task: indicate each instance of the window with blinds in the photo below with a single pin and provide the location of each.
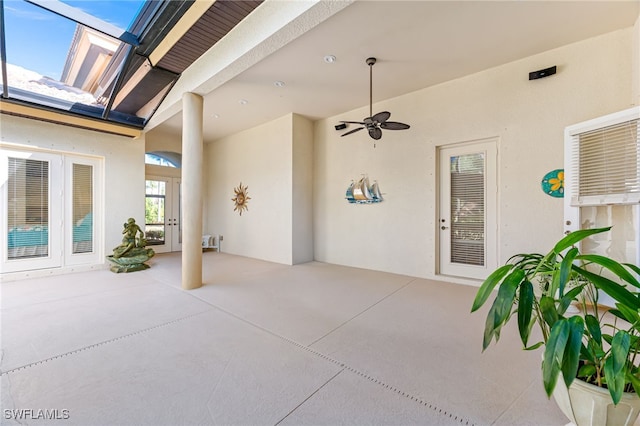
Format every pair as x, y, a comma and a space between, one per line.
27, 208
467, 209
82, 206
605, 165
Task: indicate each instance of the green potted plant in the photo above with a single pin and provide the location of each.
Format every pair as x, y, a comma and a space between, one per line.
597, 346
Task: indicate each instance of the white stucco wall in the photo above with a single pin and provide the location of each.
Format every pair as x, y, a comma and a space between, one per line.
399, 234
302, 187
260, 158
123, 157
635, 69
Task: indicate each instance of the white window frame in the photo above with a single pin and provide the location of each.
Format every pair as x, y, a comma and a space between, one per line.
570, 164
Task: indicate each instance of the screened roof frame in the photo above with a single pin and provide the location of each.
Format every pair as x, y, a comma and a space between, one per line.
129, 58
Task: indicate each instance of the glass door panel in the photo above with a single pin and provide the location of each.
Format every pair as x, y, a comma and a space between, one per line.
162, 214
468, 209
31, 216
155, 226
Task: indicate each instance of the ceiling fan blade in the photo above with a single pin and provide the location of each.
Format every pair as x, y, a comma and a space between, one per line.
353, 122
375, 133
352, 131
381, 117
394, 125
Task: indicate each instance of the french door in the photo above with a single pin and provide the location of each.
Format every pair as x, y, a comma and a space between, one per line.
467, 223
50, 209
163, 229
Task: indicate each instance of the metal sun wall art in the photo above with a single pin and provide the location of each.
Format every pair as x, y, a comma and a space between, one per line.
553, 183
361, 192
241, 198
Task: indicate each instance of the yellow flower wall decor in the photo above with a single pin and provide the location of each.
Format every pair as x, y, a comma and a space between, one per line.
553, 183
241, 198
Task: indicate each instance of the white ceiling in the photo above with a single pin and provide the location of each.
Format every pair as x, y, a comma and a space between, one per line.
417, 43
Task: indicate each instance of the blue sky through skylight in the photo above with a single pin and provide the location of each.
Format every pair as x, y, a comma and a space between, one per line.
26, 24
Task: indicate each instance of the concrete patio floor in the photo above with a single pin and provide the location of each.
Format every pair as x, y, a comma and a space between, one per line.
259, 344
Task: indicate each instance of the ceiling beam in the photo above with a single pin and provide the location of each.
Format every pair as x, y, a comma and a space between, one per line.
67, 119
187, 20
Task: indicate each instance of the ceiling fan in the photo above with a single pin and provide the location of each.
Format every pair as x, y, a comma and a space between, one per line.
375, 123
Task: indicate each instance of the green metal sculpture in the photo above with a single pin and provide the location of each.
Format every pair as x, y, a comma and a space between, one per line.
132, 253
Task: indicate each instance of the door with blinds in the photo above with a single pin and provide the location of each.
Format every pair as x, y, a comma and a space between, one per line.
467, 221
31, 211
49, 208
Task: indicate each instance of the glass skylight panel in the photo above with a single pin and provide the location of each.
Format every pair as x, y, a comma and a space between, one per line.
53, 61
120, 13
56, 62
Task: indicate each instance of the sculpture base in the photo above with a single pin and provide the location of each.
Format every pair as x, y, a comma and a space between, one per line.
134, 261
129, 268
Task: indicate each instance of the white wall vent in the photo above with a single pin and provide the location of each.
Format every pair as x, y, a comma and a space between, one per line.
602, 160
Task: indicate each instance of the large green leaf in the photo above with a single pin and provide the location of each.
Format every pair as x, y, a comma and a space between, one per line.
587, 370
572, 350
615, 365
534, 347
593, 326
506, 296
554, 354
561, 275
634, 268
501, 307
548, 309
569, 297
525, 308
617, 268
488, 285
618, 292
576, 236
627, 314
490, 330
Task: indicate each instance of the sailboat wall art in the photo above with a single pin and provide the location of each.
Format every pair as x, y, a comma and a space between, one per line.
362, 192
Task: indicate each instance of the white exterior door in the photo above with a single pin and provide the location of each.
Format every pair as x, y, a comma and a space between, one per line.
467, 223
31, 211
51, 211
163, 229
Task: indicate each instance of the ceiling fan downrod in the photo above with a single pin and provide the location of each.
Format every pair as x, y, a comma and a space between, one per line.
371, 62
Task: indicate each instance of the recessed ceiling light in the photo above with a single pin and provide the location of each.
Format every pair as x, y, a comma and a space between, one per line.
243, 101
278, 83
329, 59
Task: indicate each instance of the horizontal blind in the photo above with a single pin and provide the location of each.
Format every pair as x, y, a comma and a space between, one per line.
82, 178
28, 208
467, 210
606, 164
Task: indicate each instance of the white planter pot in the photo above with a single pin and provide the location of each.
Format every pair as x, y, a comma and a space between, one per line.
588, 405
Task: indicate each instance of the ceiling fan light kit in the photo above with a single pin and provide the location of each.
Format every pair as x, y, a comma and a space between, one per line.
374, 123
